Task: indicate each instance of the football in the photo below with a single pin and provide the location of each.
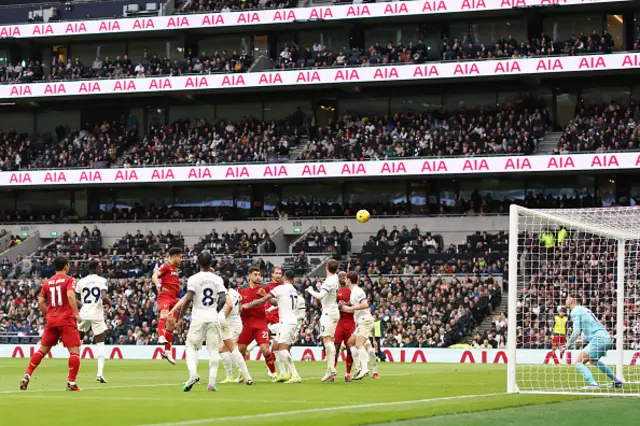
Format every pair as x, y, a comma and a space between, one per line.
363, 216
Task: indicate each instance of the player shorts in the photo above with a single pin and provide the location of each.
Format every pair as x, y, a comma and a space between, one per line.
201, 331
274, 329
166, 303
344, 330
231, 331
68, 334
559, 340
598, 348
250, 333
328, 324
364, 329
287, 333
97, 326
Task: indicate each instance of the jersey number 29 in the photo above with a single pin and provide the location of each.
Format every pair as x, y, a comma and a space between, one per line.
87, 292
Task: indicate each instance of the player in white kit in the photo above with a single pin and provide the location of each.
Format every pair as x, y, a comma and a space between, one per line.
206, 290
330, 316
364, 325
286, 297
231, 326
93, 292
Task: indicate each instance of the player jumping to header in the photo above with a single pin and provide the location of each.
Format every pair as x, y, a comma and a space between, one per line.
286, 298
93, 294
167, 281
330, 316
364, 320
346, 325
57, 300
208, 294
599, 343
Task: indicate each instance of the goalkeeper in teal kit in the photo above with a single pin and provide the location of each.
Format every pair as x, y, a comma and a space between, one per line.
599, 342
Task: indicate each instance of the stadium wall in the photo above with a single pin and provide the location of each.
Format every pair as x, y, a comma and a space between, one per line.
407, 355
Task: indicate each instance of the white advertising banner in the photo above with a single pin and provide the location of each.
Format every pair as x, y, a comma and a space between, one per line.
324, 76
409, 355
338, 169
273, 17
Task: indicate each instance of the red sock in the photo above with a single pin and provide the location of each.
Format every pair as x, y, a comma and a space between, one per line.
270, 360
169, 336
74, 366
162, 324
35, 361
349, 362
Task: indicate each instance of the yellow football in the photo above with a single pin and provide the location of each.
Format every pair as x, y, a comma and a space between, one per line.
363, 216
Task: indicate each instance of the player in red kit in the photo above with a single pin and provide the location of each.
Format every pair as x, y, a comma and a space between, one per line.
167, 281
57, 301
254, 320
273, 322
346, 325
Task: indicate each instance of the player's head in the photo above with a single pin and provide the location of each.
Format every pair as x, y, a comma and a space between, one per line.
352, 278
289, 277
175, 256
572, 301
276, 275
255, 276
95, 267
226, 282
342, 278
562, 312
61, 264
332, 266
205, 260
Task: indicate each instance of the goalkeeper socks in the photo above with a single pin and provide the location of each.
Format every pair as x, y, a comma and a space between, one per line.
586, 373
606, 370
35, 361
372, 358
240, 363
227, 362
74, 367
100, 356
192, 360
330, 352
214, 361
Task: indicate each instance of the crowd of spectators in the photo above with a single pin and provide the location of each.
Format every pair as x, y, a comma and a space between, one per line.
320, 240
602, 127
207, 6
493, 338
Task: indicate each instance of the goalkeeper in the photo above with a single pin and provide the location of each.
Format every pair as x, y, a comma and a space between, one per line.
599, 343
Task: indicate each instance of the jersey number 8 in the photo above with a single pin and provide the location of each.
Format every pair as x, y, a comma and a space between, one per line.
207, 299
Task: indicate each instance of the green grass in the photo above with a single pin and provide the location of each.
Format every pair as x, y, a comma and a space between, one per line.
149, 393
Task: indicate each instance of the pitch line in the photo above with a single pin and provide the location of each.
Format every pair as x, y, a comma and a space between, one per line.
317, 410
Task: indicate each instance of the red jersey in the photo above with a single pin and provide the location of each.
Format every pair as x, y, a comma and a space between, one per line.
170, 280
344, 295
272, 316
59, 311
255, 316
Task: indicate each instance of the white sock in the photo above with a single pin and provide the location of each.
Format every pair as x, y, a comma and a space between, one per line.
288, 361
372, 358
251, 347
363, 356
214, 360
192, 360
330, 351
240, 363
280, 364
227, 362
355, 356
100, 356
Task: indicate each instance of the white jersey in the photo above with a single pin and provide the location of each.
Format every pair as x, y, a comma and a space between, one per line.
329, 302
234, 315
302, 308
288, 300
357, 297
90, 290
206, 286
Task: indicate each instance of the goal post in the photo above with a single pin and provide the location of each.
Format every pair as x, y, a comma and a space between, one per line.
574, 269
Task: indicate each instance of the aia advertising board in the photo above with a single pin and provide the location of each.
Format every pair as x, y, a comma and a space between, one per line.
327, 76
338, 169
408, 355
273, 17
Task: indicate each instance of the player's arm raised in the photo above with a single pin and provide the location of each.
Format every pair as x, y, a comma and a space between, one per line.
318, 294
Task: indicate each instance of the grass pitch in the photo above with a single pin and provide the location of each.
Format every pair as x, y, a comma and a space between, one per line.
149, 393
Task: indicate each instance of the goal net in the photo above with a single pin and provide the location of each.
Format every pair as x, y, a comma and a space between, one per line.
574, 270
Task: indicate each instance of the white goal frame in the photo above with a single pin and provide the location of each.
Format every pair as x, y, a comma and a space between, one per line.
624, 230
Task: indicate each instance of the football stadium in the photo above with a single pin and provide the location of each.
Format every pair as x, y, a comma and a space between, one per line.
349, 212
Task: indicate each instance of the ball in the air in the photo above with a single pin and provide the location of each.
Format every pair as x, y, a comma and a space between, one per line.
363, 216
